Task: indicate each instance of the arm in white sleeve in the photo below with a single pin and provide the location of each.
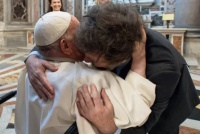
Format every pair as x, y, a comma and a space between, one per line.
144, 87
130, 109
34, 53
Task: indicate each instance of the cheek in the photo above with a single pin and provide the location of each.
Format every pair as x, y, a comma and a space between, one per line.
77, 52
80, 54
53, 5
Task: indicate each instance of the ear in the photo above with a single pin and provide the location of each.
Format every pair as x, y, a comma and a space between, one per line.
65, 48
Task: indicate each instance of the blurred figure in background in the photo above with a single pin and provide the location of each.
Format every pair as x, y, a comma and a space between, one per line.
101, 1
55, 5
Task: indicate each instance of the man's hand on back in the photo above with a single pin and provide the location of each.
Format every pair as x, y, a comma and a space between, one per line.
98, 111
36, 72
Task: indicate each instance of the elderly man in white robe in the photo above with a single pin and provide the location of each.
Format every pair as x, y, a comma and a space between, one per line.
54, 36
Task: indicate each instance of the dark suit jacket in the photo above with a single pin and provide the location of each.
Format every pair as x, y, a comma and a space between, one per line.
175, 92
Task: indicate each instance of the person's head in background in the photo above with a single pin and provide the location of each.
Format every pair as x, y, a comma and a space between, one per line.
55, 5
101, 1
54, 36
107, 34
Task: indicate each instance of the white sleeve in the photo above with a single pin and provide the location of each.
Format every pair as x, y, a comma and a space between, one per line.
84, 126
143, 86
34, 53
20, 110
130, 110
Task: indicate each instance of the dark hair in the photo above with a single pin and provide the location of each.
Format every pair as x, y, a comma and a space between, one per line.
50, 9
110, 30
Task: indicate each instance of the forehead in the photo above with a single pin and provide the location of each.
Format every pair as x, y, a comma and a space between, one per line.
95, 57
91, 55
55, 1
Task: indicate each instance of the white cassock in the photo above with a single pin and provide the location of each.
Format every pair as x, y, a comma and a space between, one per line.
131, 99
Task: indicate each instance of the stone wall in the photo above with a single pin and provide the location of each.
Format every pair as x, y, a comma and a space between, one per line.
1, 10
187, 14
192, 42
78, 9
18, 18
70, 6
1, 22
36, 10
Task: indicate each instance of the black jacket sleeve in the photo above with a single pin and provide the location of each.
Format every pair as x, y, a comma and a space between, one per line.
34, 49
163, 70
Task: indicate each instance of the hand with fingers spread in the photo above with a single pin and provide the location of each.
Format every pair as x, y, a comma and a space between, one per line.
37, 77
97, 109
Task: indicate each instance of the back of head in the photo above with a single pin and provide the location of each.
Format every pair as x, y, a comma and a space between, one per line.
110, 29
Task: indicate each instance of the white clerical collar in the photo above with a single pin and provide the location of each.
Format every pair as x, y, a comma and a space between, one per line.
59, 59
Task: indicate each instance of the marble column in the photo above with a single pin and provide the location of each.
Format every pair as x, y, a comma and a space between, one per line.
187, 14
18, 18
1, 22
78, 9
1, 10
36, 10
70, 6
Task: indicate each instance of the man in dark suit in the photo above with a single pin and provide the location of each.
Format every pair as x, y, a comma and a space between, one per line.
107, 31
175, 92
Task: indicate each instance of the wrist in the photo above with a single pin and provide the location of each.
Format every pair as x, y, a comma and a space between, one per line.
139, 67
30, 58
34, 54
111, 129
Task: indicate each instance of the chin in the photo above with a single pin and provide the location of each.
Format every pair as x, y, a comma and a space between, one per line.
57, 9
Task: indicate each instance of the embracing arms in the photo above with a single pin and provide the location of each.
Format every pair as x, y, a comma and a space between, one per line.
36, 72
